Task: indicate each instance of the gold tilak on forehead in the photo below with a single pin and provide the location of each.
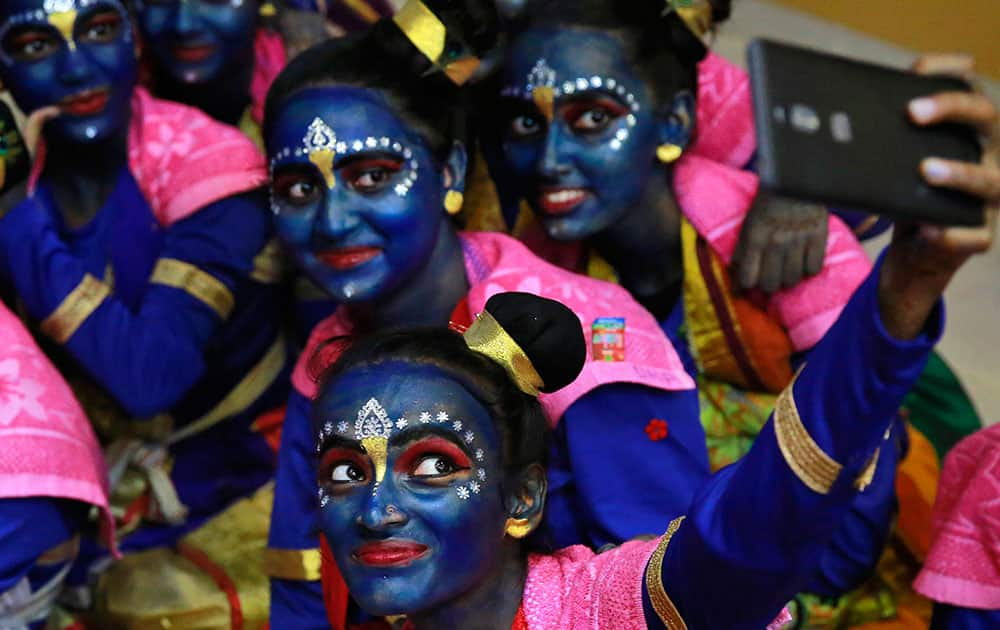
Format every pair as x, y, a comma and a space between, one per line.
545, 99
323, 159
63, 22
378, 449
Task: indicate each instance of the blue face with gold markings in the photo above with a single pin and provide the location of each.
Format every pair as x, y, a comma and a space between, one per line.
76, 54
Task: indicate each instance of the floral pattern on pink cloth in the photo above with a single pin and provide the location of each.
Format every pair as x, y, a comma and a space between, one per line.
963, 566
49, 448
725, 128
182, 159
576, 588
496, 263
270, 59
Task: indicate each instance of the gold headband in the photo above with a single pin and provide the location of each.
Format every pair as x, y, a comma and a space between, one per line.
697, 14
428, 34
486, 336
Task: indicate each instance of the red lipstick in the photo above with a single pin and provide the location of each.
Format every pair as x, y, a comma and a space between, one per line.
346, 258
85, 103
561, 200
192, 54
390, 553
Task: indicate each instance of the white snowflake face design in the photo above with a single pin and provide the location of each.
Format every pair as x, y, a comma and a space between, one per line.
373, 428
323, 147
544, 77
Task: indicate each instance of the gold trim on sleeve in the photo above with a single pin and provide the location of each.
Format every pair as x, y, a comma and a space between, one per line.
868, 474
75, 309
804, 456
197, 283
658, 597
268, 265
63, 552
292, 564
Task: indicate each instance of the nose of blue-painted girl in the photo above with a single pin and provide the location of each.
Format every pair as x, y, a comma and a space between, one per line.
379, 512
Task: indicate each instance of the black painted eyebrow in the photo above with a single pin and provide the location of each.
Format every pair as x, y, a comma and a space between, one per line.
417, 433
339, 441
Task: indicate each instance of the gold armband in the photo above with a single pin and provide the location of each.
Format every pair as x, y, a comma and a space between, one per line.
195, 282
75, 309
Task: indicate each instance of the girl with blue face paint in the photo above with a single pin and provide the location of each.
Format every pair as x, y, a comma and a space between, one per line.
598, 95
432, 469
139, 246
364, 142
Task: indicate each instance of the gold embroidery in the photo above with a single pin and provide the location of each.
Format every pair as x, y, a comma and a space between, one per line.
804, 456
75, 309
868, 474
292, 564
487, 336
109, 276
268, 267
658, 597
197, 283
246, 392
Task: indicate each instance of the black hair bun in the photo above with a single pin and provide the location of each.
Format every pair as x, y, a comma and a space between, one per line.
547, 331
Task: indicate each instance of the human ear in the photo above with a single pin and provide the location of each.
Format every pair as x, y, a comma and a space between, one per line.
526, 502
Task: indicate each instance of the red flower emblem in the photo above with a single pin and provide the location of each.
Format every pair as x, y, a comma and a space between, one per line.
657, 430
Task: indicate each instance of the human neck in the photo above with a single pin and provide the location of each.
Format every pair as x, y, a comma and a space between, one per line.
492, 605
644, 247
224, 98
83, 175
429, 298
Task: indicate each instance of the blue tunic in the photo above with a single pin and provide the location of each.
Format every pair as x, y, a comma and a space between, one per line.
756, 531
29, 527
163, 342
954, 618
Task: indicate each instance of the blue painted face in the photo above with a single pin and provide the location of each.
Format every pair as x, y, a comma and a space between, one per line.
197, 40
410, 486
582, 128
77, 54
357, 194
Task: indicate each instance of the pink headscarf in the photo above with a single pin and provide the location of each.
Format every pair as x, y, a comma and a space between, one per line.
496, 263
963, 566
181, 158
49, 449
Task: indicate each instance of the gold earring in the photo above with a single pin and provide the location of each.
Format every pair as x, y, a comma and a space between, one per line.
453, 202
517, 527
268, 10
668, 153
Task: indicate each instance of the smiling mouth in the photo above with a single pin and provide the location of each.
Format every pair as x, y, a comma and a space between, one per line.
85, 103
390, 553
346, 258
561, 201
192, 54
